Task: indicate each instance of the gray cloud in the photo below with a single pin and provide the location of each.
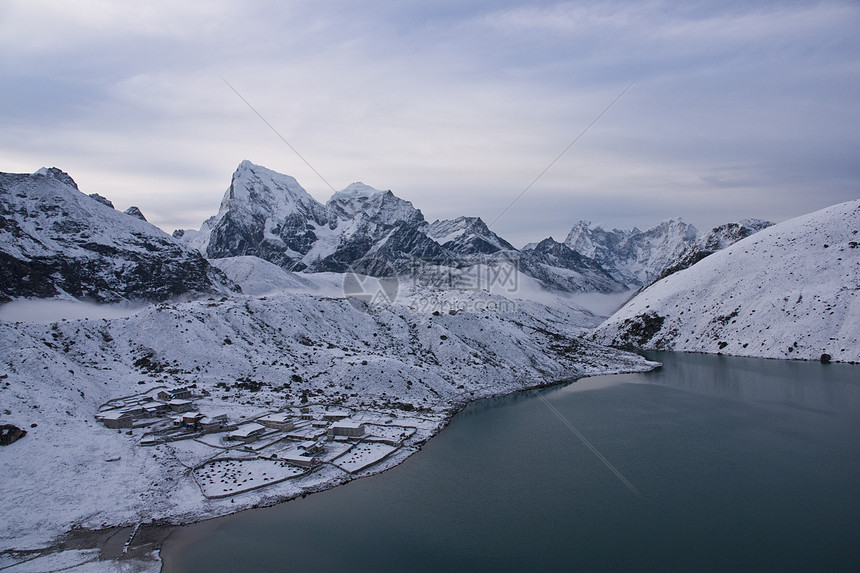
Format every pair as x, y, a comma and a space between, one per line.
739, 110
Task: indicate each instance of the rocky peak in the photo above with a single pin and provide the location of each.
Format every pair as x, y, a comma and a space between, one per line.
383, 207
58, 175
135, 212
467, 235
255, 190
266, 214
103, 200
633, 257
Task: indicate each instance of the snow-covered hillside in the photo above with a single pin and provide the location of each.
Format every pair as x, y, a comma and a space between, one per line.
789, 291
424, 356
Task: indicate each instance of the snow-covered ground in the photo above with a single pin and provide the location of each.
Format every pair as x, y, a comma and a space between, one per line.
298, 346
79, 561
363, 456
789, 291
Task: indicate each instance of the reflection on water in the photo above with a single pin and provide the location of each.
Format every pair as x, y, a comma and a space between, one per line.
742, 464
828, 387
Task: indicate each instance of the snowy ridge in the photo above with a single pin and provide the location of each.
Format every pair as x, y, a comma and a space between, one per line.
715, 240
358, 198
788, 291
57, 242
633, 258
467, 236
561, 268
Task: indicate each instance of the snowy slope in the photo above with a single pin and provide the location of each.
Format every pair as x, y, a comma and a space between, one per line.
788, 291
250, 355
57, 242
258, 277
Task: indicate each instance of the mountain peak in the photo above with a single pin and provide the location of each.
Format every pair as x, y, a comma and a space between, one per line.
56, 242
633, 257
266, 214
467, 235
57, 174
135, 212
357, 190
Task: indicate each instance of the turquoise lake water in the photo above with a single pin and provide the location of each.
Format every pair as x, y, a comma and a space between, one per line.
710, 463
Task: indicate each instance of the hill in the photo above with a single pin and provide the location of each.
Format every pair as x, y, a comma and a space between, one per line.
788, 291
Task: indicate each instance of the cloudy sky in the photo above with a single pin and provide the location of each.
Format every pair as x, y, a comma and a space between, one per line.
737, 109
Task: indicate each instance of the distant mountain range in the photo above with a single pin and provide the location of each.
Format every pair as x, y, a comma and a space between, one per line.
58, 241
269, 215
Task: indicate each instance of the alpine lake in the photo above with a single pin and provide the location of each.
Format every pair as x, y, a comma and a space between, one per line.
710, 463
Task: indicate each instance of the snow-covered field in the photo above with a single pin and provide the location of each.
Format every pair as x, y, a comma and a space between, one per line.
226, 477
789, 291
363, 456
247, 355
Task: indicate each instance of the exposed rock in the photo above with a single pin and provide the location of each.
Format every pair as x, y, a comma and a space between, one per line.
135, 212
10, 434
102, 200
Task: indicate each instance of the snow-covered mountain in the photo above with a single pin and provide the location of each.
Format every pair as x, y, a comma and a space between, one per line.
58, 242
715, 240
467, 236
558, 266
634, 257
269, 215
265, 214
373, 231
788, 291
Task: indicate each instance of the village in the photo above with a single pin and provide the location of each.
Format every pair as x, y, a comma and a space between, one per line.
254, 449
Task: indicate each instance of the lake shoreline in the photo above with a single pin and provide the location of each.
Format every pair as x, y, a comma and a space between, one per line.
144, 546
665, 431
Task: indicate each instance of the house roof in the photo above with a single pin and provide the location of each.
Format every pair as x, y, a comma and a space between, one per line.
248, 430
279, 418
347, 424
